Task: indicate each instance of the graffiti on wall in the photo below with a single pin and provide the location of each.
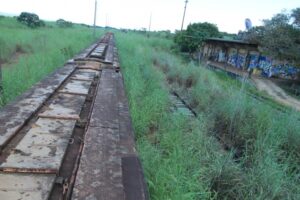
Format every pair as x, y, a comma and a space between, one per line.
265, 65
253, 61
237, 61
232, 57
240, 61
221, 57
270, 70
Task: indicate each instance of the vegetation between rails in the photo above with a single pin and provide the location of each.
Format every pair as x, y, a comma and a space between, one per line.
27, 55
238, 148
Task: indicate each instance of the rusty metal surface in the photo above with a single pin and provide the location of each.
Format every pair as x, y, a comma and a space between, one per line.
109, 57
127, 144
105, 110
64, 105
25, 187
42, 148
109, 167
133, 179
99, 51
85, 73
14, 115
84, 53
90, 71
99, 175
77, 87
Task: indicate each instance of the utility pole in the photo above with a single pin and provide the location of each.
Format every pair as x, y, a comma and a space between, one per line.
150, 22
95, 15
106, 21
186, 1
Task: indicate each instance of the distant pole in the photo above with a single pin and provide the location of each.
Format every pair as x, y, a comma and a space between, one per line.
150, 22
186, 1
106, 21
95, 15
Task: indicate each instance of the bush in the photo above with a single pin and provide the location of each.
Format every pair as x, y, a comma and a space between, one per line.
192, 38
63, 23
30, 19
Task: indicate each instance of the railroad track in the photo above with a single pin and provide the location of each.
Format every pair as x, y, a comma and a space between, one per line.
70, 136
180, 106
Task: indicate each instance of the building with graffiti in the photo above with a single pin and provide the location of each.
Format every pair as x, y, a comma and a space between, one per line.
246, 56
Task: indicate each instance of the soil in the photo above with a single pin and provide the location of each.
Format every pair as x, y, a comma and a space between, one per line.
263, 84
276, 92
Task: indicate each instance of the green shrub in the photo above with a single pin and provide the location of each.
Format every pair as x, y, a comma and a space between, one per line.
63, 23
30, 19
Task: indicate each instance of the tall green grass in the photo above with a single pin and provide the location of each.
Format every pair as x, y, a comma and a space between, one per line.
157, 131
263, 140
40, 51
238, 148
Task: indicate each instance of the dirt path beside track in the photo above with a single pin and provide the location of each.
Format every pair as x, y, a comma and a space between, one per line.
276, 92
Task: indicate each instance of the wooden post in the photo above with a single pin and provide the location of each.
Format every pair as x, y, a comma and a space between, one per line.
184, 14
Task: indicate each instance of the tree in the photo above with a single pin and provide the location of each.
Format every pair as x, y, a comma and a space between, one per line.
193, 37
278, 37
296, 16
30, 19
63, 23
181, 40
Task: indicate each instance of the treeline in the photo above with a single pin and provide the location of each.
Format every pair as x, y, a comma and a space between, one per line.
32, 20
278, 36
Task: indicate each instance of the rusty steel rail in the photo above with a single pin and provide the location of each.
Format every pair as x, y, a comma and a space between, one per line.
70, 136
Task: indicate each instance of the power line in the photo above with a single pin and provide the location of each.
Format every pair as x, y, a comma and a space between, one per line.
186, 1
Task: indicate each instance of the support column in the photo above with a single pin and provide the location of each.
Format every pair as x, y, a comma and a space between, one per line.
237, 57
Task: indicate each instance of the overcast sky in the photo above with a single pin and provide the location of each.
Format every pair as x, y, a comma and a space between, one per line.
228, 15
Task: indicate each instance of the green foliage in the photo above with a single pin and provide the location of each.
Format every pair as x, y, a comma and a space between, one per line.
30, 19
63, 23
191, 39
228, 36
278, 37
296, 16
